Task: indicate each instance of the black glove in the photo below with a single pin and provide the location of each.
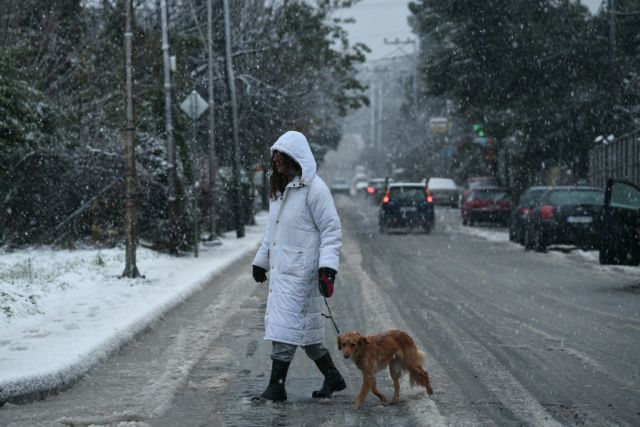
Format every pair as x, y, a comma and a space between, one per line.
326, 277
259, 274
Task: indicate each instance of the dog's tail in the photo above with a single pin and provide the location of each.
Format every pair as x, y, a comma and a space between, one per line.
417, 375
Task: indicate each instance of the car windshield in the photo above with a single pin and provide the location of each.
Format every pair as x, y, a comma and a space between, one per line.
491, 195
576, 197
531, 196
483, 182
377, 183
406, 193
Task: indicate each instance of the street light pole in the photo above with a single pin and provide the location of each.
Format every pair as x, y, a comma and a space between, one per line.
130, 269
172, 197
237, 202
213, 160
611, 9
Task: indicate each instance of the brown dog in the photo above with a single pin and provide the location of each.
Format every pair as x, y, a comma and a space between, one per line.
373, 353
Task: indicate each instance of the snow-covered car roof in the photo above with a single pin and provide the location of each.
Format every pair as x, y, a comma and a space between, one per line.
406, 184
442, 184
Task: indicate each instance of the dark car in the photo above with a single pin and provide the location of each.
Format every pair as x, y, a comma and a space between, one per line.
521, 214
478, 182
620, 228
488, 205
406, 205
565, 215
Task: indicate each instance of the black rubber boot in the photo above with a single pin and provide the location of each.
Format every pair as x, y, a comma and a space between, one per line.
275, 391
333, 381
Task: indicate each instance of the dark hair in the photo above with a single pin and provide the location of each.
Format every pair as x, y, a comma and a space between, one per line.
278, 181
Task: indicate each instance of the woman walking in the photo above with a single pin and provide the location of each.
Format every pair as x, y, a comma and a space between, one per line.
301, 251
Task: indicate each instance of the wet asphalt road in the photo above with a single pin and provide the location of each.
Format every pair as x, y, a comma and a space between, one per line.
511, 338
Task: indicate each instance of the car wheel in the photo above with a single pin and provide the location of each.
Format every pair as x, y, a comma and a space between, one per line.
527, 241
608, 255
427, 228
539, 245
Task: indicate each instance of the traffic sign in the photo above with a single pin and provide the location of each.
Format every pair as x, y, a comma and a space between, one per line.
439, 124
194, 105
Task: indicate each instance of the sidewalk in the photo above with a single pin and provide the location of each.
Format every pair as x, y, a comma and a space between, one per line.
62, 312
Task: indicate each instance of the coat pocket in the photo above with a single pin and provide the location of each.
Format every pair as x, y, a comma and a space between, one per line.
291, 261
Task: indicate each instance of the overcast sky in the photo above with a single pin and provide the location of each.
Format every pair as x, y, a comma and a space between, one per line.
380, 19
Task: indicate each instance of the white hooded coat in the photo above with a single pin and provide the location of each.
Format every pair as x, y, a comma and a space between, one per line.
303, 234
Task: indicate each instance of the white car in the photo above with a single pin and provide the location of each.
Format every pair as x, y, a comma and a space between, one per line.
359, 187
444, 191
340, 185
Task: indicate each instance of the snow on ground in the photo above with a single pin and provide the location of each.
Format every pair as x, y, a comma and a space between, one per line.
490, 234
63, 311
560, 252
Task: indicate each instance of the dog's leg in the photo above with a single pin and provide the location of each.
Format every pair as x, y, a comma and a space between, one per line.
364, 390
375, 390
395, 376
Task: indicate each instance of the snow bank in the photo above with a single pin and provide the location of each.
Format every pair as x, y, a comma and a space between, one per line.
62, 312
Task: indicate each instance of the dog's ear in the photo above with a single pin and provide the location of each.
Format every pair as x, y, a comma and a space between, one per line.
339, 342
362, 341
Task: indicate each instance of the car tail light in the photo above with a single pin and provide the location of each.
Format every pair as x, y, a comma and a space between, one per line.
546, 212
371, 190
524, 211
386, 198
429, 197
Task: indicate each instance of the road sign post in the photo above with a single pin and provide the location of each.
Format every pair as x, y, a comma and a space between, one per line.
193, 106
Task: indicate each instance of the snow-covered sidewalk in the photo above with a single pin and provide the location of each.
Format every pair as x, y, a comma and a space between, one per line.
61, 312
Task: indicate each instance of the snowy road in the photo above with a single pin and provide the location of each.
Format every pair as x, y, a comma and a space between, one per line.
511, 338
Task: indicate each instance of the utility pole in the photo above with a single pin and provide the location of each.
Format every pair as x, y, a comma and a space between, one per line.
172, 197
213, 160
373, 107
612, 61
379, 121
414, 80
130, 269
237, 200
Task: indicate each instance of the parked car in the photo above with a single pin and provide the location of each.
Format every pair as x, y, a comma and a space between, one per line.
620, 228
444, 191
521, 213
487, 205
478, 182
359, 187
377, 188
565, 215
406, 204
340, 185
